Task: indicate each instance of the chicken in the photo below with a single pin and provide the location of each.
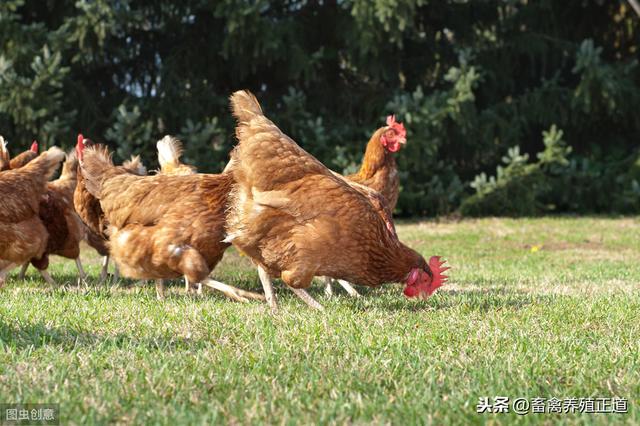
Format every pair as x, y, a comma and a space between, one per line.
169, 153
380, 173
64, 226
22, 159
379, 170
89, 210
162, 227
296, 219
23, 236
7, 163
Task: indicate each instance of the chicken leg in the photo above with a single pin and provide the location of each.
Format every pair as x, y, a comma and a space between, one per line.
349, 288
160, 289
268, 289
328, 289
4, 272
232, 292
188, 286
81, 275
105, 269
306, 298
23, 271
47, 277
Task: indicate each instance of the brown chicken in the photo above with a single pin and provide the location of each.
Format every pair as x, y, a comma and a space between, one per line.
380, 173
64, 226
162, 227
23, 236
296, 219
8, 163
22, 159
169, 152
379, 170
89, 210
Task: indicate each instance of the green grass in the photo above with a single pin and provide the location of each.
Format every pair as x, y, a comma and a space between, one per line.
535, 308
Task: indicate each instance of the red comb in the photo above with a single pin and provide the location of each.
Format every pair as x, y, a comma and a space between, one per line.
80, 146
397, 126
34, 147
426, 287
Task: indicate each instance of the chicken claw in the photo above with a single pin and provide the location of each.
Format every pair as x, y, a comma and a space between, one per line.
233, 292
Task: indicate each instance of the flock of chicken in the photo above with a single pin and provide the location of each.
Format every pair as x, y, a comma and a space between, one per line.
277, 204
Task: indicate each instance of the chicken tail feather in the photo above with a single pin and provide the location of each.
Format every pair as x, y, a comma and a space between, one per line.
169, 151
134, 165
245, 106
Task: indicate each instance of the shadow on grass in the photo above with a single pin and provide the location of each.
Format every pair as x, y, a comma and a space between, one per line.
34, 336
497, 295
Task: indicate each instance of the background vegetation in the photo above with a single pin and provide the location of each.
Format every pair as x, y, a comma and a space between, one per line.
512, 107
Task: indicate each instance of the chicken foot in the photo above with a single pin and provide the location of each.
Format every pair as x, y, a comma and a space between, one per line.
232, 292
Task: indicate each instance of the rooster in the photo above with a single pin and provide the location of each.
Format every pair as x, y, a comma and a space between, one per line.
378, 172
89, 210
296, 219
64, 226
24, 236
162, 227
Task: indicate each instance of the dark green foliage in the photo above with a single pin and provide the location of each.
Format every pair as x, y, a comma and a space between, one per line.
471, 80
519, 186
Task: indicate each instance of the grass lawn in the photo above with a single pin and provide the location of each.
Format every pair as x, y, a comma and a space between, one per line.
535, 308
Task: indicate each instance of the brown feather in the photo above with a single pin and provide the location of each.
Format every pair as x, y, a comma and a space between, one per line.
24, 236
